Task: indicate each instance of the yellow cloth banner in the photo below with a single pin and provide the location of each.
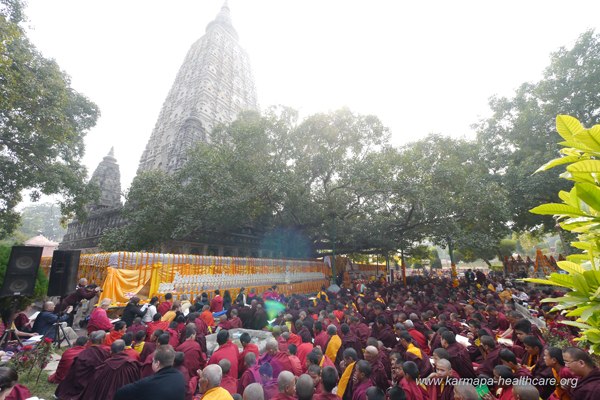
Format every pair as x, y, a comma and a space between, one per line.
121, 284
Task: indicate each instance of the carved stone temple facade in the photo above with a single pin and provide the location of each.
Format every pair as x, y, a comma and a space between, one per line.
212, 86
104, 214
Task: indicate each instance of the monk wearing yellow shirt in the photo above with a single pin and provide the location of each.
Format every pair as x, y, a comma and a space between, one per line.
333, 344
210, 383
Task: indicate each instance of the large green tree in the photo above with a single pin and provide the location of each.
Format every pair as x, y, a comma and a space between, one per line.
520, 135
42, 218
42, 125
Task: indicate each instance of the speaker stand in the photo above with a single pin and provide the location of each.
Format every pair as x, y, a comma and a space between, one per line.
57, 328
6, 337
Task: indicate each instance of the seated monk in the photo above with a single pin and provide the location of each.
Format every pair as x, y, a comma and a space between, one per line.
207, 316
228, 382
117, 332
251, 373
139, 341
83, 368
248, 347
333, 344
129, 350
9, 388
267, 381
150, 346
146, 369
444, 390
66, 360
227, 350
154, 325
278, 360
99, 321
115, 372
194, 357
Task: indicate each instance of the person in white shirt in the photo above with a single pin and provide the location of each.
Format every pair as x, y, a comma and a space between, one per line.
148, 317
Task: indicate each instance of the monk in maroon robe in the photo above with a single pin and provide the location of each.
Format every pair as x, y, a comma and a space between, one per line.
444, 391
248, 347
194, 357
228, 382
378, 374
459, 357
83, 368
279, 361
116, 371
251, 373
226, 351
349, 341
491, 356
362, 380
67, 359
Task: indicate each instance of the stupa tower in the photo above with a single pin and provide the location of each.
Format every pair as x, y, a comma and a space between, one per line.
212, 86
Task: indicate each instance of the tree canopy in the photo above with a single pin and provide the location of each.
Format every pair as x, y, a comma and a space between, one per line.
42, 125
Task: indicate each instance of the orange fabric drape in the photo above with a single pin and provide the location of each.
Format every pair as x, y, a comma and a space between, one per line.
120, 282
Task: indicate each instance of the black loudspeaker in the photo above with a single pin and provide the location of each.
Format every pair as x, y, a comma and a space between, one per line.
63, 273
21, 271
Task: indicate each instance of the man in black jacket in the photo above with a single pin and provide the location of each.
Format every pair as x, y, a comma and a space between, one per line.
166, 384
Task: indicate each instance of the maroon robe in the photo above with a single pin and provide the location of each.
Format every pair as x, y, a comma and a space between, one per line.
362, 331
216, 304
303, 351
154, 325
280, 362
149, 348
189, 392
587, 388
412, 390
424, 365
282, 396
81, 372
420, 339
250, 375
228, 351
325, 396
350, 341
134, 355
66, 360
164, 307
460, 360
379, 376
194, 357
117, 371
19, 392
387, 337
146, 368
489, 362
270, 389
360, 390
321, 340
442, 393
229, 383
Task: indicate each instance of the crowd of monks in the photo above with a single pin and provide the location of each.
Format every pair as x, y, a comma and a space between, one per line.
426, 340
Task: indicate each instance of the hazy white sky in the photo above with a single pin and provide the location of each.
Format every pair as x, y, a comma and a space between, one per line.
421, 66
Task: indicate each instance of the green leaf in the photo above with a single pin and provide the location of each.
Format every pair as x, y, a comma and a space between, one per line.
584, 166
568, 126
589, 311
590, 194
578, 312
563, 283
556, 162
571, 267
557, 209
579, 325
579, 283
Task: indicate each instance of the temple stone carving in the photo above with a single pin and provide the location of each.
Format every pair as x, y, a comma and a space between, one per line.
103, 214
212, 86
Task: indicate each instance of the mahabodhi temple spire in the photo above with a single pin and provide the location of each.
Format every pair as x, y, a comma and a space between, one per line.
212, 86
